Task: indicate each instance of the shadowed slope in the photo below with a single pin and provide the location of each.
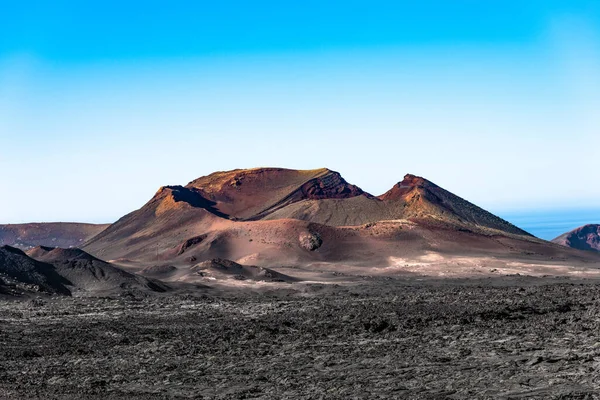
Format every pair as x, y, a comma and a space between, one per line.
586, 237
335, 212
20, 273
87, 273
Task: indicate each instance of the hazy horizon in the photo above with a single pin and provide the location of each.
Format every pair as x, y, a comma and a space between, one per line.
101, 104
545, 224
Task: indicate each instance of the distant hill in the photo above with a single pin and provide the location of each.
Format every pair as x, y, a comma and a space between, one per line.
586, 237
60, 234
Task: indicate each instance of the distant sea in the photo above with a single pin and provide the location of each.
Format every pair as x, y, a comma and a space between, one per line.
549, 224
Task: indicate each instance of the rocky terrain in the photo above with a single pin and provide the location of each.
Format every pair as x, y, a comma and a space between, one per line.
586, 237
509, 338
274, 283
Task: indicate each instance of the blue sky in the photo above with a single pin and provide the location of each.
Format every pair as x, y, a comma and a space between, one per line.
101, 103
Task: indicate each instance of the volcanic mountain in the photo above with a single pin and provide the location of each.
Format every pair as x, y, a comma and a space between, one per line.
62, 234
274, 216
586, 237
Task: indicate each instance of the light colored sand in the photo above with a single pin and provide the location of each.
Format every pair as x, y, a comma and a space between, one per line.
437, 265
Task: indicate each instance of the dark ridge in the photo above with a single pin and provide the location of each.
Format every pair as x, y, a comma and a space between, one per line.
13, 250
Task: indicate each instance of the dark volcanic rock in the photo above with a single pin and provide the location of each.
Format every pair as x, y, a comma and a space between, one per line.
500, 340
24, 274
88, 274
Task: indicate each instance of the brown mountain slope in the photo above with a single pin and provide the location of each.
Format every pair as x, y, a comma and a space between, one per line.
173, 215
61, 234
386, 247
586, 237
421, 198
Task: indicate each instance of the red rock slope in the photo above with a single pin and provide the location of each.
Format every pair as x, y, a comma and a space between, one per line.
586, 237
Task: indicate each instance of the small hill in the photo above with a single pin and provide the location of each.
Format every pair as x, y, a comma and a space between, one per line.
88, 274
21, 274
61, 234
226, 269
586, 237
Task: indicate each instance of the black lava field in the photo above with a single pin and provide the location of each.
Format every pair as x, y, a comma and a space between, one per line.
514, 339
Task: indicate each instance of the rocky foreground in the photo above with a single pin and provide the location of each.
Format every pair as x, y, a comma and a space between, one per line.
516, 338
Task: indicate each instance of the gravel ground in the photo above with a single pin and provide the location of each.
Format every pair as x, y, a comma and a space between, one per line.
375, 340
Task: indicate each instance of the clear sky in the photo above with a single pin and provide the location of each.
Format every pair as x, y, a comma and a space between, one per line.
103, 102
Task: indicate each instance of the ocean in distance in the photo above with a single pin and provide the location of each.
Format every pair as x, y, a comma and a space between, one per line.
548, 224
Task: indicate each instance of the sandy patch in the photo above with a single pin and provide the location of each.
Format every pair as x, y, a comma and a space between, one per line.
435, 264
